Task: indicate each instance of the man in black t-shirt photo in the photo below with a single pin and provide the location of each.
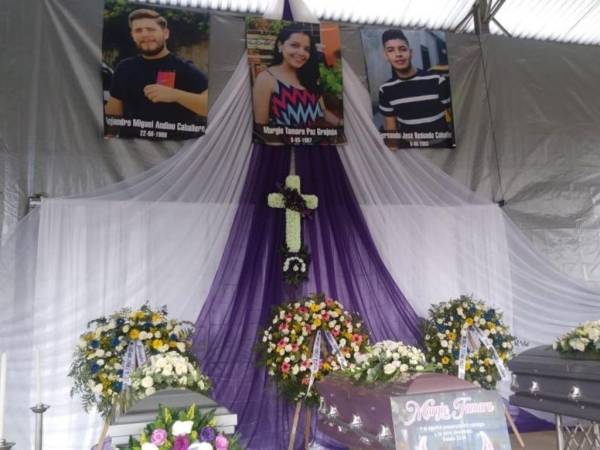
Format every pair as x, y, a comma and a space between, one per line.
156, 94
415, 103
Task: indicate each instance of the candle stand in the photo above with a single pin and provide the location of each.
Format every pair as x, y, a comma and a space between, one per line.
39, 411
4, 445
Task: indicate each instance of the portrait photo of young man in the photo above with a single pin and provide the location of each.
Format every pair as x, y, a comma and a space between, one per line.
155, 93
412, 104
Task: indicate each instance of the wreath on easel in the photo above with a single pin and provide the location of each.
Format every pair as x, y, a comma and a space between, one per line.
466, 338
306, 340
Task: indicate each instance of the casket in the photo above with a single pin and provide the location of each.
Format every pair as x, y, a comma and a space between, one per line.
145, 411
360, 416
546, 380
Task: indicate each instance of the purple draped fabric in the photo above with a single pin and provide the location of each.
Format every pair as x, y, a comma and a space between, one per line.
248, 284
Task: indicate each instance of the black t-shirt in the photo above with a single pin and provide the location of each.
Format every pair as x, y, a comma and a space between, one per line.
133, 74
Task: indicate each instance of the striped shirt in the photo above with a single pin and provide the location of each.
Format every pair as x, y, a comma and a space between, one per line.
419, 103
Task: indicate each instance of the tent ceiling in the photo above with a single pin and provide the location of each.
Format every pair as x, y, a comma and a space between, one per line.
557, 20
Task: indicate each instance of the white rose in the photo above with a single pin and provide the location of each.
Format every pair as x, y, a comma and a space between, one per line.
295, 369
180, 368
577, 344
99, 353
201, 446
389, 369
361, 358
147, 382
181, 347
150, 391
98, 389
149, 446
181, 428
167, 371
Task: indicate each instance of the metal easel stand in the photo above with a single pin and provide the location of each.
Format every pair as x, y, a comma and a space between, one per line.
583, 436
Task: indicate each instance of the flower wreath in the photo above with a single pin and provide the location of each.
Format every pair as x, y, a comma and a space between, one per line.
583, 338
286, 346
466, 317
98, 365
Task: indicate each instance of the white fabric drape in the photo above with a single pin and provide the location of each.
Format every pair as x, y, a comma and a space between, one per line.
159, 236
156, 238
439, 240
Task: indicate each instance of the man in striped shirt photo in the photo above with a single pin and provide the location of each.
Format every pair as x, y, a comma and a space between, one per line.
415, 103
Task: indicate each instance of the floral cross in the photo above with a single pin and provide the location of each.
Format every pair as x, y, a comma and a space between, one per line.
293, 238
296, 258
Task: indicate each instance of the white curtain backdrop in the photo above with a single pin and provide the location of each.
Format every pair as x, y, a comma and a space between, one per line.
159, 236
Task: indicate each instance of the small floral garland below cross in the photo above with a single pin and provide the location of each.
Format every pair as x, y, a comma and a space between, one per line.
296, 258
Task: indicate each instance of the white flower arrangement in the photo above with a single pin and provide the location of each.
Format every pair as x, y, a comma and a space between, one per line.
298, 264
583, 338
387, 360
168, 370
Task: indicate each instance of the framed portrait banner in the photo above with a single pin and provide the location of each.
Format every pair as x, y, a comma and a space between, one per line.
469, 420
409, 84
296, 75
154, 71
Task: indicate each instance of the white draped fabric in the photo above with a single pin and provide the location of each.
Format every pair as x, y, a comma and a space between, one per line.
159, 236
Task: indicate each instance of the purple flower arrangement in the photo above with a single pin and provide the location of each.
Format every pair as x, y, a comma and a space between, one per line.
188, 429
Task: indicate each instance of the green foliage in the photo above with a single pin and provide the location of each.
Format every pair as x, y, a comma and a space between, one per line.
331, 79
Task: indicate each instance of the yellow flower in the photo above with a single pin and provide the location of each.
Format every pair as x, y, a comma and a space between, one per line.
451, 336
445, 360
138, 315
317, 322
157, 344
326, 366
156, 318
315, 308
469, 321
134, 334
467, 364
